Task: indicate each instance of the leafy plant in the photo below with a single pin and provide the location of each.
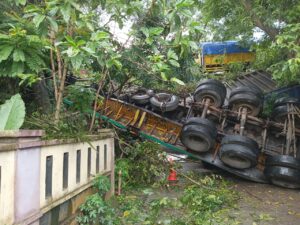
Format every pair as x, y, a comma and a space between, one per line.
193, 204
82, 97
21, 53
96, 210
72, 125
12, 113
145, 164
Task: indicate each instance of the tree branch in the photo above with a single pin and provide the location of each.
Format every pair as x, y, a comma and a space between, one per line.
271, 31
101, 83
60, 92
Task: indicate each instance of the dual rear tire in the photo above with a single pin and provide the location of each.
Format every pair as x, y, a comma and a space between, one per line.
198, 134
246, 97
283, 171
239, 152
211, 89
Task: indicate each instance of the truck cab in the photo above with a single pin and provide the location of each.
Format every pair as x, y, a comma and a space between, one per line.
215, 55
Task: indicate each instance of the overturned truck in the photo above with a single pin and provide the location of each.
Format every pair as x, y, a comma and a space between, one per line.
227, 135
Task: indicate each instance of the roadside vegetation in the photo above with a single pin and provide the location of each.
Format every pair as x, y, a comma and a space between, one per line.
59, 57
55, 49
148, 198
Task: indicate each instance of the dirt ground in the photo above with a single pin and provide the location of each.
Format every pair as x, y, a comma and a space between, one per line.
264, 204
259, 204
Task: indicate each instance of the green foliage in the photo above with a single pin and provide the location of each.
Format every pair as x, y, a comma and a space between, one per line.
278, 21
12, 113
203, 204
81, 97
190, 204
71, 125
96, 210
145, 164
287, 70
102, 184
21, 53
269, 105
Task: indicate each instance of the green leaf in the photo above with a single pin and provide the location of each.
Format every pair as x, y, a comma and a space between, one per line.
114, 62
70, 41
19, 55
5, 52
176, 80
175, 23
77, 62
164, 76
53, 24
156, 30
17, 68
21, 2
184, 3
12, 113
88, 50
174, 63
38, 19
149, 40
32, 8
193, 45
172, 55
90, 26
71, 52
145, 31
99, 35
66, 12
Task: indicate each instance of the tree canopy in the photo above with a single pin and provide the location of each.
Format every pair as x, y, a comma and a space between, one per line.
50, 40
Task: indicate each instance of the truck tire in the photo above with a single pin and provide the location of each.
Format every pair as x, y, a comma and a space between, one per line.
214, 82
237, 156
164, 102
205, 123
283, 176
284, 161
141, 97
197, 138
285, 100
212, 89
246, 97
241, 140
281, 111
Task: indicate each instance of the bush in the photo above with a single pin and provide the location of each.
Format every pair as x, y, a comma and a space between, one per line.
145, 164
96, 210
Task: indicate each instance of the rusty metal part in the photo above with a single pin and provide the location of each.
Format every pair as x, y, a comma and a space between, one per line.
205, 109
243, 120
250, 119
264, 140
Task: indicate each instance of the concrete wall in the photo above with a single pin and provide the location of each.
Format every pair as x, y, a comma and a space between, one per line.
7, 173
57, 152
27, 183
25, 179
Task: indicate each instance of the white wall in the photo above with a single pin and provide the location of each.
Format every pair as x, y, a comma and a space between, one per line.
23, 174
57, 152
7, 164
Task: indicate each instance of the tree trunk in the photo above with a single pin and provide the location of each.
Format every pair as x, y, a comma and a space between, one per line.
269, 30
42, 96
60, 92
100, 86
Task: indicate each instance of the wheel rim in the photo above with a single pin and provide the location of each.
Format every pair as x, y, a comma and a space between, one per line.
197, 143
236, 161
250, 107
211, 98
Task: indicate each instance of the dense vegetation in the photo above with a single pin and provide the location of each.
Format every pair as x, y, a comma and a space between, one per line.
47, 45
147, 197
44, 44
